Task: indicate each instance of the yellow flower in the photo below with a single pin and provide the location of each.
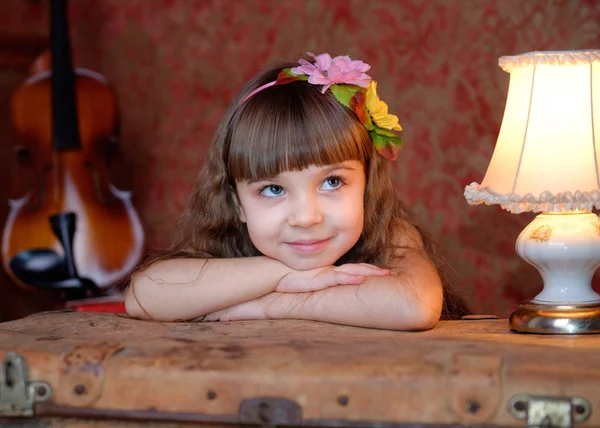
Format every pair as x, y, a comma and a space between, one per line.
379, 110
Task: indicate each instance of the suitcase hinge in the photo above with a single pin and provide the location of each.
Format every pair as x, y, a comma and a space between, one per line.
18, 395
549, 412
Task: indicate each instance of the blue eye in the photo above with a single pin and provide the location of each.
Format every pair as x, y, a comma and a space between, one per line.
271, 191
332, 183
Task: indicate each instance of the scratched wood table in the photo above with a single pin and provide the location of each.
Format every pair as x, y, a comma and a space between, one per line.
71, 368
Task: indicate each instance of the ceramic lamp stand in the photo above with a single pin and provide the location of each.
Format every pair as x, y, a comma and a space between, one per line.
565, 249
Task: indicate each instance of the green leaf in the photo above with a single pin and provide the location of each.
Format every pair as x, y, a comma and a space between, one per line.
386, 133
353, 97
386, 146
286, 76
344, 93
358, 106
382, 137
389, 152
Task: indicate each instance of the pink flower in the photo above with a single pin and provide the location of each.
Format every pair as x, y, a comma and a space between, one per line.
326, 71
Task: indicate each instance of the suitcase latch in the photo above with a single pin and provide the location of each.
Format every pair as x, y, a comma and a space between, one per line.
18, 394
549, 412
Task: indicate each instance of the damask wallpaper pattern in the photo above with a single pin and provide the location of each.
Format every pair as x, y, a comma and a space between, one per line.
176, 64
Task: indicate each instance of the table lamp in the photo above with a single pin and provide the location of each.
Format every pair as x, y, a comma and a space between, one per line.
547, 160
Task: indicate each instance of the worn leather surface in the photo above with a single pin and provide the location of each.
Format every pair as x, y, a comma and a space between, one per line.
461, 372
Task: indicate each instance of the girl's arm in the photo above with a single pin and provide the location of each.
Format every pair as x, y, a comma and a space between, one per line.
409, 299
184, 289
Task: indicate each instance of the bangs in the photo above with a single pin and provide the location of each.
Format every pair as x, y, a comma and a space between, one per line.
291, 127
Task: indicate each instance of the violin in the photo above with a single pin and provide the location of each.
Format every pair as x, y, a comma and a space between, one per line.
71, 229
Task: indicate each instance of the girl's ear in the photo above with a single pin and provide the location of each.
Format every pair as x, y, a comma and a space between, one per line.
238, 207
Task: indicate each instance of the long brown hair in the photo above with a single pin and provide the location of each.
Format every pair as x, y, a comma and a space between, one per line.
281, 128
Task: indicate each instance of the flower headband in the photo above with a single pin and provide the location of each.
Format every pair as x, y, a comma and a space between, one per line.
352, 88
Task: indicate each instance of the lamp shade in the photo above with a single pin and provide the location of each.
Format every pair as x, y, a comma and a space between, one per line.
547, 154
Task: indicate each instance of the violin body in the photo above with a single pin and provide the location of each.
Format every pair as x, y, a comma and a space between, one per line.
109, 238
69, 229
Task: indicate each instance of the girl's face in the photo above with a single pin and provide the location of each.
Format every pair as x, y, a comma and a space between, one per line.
305, 219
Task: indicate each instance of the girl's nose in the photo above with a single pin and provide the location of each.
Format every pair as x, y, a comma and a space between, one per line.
305, 213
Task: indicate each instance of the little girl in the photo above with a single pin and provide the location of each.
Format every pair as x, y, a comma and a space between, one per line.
294, 214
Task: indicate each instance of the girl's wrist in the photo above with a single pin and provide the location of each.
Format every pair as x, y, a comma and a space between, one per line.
284, 305
282, 270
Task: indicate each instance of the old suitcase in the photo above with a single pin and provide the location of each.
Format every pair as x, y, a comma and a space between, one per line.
108, 369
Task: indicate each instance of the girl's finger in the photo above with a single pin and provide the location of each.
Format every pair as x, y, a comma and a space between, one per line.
372, 266
215, 316
376, 268
344, 278
359, 269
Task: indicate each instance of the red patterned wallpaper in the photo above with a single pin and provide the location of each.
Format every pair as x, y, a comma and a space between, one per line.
176, 64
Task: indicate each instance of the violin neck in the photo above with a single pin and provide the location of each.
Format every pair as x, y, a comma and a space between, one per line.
65, 127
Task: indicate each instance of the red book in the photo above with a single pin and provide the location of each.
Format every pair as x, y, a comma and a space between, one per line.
114, 303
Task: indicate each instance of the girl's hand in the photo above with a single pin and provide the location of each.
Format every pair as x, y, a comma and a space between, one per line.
328, 276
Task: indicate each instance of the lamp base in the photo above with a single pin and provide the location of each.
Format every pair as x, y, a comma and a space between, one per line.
560, 318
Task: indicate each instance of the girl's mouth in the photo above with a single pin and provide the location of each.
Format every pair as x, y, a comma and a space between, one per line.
308, 245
